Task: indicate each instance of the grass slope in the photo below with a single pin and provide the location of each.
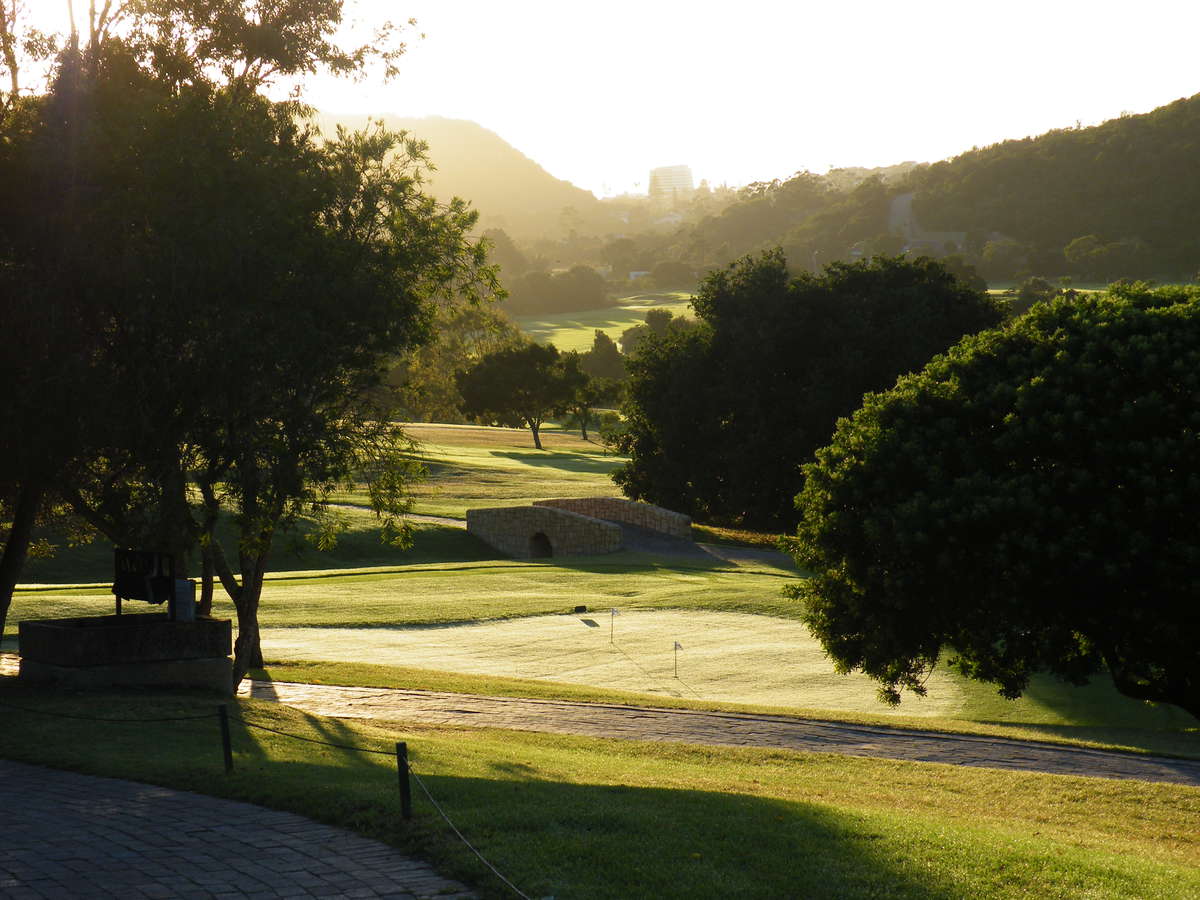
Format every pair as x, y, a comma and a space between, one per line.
575, 817
473, 466
576, 330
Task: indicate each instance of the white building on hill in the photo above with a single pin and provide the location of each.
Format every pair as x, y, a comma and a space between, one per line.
671, 184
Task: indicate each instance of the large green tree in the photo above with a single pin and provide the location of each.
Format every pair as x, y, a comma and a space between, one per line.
721, 417
250, 281
1025, 503
521, 385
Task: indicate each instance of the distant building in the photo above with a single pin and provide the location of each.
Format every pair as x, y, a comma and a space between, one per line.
671, 184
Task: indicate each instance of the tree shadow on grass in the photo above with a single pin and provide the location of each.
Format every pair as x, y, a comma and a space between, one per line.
1096, 712
565, 460
549, 837
598, 841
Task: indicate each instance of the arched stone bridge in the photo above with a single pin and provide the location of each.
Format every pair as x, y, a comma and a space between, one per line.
569, 527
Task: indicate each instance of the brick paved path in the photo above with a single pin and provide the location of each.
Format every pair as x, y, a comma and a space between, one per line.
737, 729
70, 836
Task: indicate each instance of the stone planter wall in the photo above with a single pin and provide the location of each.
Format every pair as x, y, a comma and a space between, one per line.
135, 649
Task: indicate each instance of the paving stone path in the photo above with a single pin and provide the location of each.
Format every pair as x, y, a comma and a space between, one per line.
78, 836
736, 729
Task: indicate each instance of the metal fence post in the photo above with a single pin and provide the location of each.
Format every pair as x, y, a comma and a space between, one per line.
402, 773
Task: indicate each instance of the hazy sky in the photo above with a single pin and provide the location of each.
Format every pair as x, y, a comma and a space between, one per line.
599, 93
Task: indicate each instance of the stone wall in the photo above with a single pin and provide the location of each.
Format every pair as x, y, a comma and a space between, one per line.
527, 532
616, 509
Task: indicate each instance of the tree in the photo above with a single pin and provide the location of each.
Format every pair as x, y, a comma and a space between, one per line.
423, 379
590, 391
672, 274
580, 287
519, 386
244, 324
1025, 503
604, 359
720, 418
659, 323
504, 253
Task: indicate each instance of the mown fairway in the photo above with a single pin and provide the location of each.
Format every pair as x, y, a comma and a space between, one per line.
502, 625
575, 330
581, 818
472, 466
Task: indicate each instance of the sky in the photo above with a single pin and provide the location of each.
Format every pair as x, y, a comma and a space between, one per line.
600, 93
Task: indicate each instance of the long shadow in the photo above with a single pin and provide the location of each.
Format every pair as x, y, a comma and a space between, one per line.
561, 459
614, 841
568, 839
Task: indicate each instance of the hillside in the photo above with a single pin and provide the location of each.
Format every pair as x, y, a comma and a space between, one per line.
510, 190
1130, 183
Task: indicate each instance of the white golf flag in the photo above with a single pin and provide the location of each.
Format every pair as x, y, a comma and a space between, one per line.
615, 611
678, 646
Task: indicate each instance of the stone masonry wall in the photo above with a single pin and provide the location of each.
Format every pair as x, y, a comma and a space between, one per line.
615, 509
511, 530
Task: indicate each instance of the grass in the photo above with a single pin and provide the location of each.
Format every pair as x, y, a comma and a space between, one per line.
576, 330
361, 592
1180, 743
359, 548
735, 537
472, 466
577, 817
469, 591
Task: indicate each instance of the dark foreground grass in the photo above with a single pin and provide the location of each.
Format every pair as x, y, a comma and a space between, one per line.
583, 818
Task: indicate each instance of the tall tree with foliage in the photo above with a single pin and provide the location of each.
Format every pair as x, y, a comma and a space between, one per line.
1026, 503
520, 386
603, 359
720, 418
248, 319
423, 379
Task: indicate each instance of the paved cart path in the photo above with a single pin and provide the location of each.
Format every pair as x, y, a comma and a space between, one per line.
736, 729
79, 836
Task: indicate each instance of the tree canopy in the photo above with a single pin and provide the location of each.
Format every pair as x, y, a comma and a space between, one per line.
578, 288
238, 284
720, 417
521, 385
1025, 503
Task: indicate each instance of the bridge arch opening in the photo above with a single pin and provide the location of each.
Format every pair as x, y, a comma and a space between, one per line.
540, 546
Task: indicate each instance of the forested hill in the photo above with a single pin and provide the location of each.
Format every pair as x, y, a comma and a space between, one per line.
1128, 188
510, 190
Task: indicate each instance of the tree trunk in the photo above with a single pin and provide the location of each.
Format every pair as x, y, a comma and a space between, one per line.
178, 528
537, 441
206, 582
16, 548
247, 649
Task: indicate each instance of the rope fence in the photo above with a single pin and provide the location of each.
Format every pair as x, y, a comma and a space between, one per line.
221, 713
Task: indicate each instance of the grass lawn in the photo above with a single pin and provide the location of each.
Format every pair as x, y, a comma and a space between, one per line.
502, 627
324, 613
585, 818
576, 330
473, 466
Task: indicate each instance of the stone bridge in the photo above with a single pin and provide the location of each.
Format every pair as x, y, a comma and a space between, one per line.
570, 527
630, 512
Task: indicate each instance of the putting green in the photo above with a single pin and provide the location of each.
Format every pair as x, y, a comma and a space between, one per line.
726, 657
